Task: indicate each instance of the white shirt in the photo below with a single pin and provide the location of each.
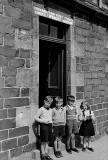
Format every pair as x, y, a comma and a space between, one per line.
44, 115
86, 114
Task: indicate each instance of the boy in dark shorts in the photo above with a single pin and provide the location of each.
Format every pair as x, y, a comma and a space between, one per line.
71, 124
59, 121
44, 117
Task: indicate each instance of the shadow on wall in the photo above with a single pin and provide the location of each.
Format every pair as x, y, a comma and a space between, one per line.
36, 131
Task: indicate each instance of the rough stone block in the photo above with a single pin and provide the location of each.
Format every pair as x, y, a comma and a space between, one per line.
18, 131
9, 71
1, 39
23, 140
94, 94
1, 103
1, 82
7, 51
10, 81
28, 63
19, 23
24, 92
3, 113
4, 155
7, 123
3, 135
9, 39
5, 22
29, 147
9, 92
1, 8
12, 112
17, 63
105, 105
79, 96
36, 155
94, 107
24, 40
99, 106
79, 88
3, 61
9, 144
23, 74
12, 12
16, 152
24, 53
16, 102
97, 100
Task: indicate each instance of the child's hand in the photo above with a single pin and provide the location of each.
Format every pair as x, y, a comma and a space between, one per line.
46, 121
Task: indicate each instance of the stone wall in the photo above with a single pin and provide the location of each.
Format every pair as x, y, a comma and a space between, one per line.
18, 77
91, 51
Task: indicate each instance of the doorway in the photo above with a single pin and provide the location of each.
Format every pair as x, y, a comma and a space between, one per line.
52, 63
51, 70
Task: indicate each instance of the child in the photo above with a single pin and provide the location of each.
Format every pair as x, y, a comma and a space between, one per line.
59, 121
86, 128
71, 124
44, 117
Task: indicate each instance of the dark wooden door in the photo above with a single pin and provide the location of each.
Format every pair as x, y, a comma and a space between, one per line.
51, 64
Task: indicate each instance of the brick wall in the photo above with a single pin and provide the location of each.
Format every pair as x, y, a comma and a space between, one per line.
91, 41
17, 57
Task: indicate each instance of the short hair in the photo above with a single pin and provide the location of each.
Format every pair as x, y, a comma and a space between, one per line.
58, 99
48, 99
70, 97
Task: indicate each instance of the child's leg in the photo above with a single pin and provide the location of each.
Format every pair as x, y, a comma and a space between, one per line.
46, 147
59, 144
89, 144
43, 148
85, 142
72, 140
56, 144
68, 141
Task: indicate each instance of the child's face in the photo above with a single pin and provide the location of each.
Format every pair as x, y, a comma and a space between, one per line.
47, 104
71, 103
59, 104
84, 106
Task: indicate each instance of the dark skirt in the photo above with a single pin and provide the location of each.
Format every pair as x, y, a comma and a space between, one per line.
87, 129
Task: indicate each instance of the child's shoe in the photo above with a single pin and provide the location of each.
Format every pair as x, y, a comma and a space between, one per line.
90, 149
61, 155
75, 150
43, 157
48, 157
69, 151
57, 154
83, 149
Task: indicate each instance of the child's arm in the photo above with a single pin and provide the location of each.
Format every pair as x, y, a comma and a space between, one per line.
37, 117
65, 115
92, 116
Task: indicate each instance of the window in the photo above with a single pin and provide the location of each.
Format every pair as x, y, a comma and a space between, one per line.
104, 4
51, 28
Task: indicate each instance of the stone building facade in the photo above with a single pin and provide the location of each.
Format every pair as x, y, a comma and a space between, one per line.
84, 66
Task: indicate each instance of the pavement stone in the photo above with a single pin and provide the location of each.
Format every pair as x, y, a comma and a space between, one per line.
100, 151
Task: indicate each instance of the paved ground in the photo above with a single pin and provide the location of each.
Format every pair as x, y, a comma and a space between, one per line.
101, 152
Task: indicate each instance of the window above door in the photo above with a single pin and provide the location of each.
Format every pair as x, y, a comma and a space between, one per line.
52, 28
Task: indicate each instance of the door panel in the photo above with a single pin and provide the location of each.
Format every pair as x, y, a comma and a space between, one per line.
50, 69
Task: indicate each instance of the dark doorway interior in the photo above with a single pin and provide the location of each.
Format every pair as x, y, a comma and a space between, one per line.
51, 69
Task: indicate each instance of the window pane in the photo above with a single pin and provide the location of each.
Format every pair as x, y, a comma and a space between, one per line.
53, 31
43, 29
